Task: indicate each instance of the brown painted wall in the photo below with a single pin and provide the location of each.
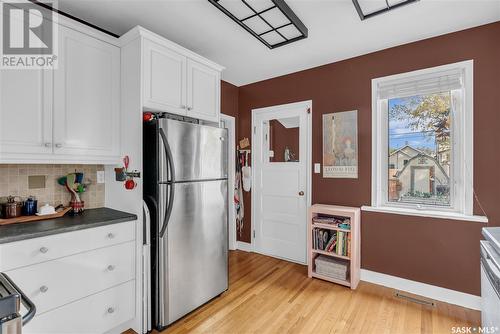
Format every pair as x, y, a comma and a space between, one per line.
229, 99
435, 251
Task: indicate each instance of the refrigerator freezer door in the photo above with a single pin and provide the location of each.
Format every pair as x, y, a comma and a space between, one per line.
199, 152
194, 249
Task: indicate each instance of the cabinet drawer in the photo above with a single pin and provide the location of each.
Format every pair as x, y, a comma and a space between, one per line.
27, 252
54, 283
95, 314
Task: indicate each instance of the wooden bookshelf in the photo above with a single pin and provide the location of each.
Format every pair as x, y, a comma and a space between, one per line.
354, 234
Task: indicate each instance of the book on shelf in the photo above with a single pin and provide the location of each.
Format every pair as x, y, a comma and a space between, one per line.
336, 221
332, 241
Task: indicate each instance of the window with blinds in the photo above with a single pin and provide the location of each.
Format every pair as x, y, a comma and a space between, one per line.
423, 139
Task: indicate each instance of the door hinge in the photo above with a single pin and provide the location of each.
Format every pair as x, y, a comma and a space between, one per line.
266, 136
254, 234
254, 129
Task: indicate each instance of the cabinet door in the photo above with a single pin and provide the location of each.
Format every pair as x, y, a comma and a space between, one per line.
164, 79
25, 111
203, 88
86, 96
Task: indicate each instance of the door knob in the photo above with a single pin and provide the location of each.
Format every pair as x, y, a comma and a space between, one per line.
301, 193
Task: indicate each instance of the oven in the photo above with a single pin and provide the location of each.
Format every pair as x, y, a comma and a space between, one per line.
12, 300
490, 285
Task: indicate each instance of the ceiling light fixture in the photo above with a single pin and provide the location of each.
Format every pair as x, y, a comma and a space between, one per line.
270, 21
370, 8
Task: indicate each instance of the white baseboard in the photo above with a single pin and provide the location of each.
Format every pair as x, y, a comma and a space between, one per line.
423, 289
244, 246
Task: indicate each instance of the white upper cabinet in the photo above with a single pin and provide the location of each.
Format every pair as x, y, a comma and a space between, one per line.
203, 91
174, 79
164, 79
69, 114
25, 112
86, 96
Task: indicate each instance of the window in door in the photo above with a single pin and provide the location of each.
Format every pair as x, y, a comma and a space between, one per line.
283, 139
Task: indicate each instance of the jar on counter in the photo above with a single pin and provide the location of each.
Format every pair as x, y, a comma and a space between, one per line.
30, 206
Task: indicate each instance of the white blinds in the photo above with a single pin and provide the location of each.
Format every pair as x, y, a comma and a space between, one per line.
422, 84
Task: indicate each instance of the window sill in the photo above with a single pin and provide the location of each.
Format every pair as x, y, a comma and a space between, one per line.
425, 213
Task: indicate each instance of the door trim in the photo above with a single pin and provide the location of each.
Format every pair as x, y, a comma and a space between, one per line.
256, 112
230, 123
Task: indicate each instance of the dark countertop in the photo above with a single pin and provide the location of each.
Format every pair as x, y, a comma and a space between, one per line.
89, 219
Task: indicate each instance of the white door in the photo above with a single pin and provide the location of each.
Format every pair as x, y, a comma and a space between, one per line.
26, 111
86, 96
203, 91
280, 160
164, 79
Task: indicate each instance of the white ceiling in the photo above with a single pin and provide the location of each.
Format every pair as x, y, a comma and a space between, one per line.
335, 30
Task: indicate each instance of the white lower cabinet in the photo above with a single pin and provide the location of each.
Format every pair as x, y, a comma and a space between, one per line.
69, 278
80, 282
94, 314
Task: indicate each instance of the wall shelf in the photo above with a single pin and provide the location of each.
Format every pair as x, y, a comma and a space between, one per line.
353, 234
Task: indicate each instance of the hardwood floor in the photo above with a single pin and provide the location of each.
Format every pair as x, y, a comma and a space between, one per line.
268, 295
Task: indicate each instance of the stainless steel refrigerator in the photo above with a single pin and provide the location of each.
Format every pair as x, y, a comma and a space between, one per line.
185, 188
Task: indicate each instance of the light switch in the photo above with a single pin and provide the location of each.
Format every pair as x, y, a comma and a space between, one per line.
317, 168
100, 176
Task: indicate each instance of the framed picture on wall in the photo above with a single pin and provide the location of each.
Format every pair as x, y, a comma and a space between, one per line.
340, 145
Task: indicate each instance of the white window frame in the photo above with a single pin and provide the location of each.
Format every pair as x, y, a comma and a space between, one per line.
462, 193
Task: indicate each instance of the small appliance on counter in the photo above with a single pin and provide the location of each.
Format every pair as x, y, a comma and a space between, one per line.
12, 207
490, 277
11, 298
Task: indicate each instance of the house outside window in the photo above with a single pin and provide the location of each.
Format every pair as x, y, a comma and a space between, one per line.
422, 152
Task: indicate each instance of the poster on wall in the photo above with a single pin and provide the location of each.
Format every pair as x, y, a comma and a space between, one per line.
340, 145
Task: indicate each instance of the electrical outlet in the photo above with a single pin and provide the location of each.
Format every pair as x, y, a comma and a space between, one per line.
317, 168
100, 176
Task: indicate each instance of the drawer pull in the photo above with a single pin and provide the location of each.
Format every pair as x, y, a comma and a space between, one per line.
44, 289
111, 310
111, 267
44, 250
111, 235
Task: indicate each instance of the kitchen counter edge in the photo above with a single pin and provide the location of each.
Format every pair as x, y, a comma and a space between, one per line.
89, 219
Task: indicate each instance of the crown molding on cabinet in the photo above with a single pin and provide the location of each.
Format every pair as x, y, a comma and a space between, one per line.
139, 31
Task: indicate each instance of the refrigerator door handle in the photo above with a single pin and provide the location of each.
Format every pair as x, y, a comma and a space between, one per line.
171, 182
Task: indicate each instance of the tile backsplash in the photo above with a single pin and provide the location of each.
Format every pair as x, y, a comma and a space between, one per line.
14, 181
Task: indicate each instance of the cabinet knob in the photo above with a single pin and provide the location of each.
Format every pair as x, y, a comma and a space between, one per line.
58, 145
301, 193
111, 310
111, 235
189, 108
47, 144
44, 289
111, 267
44, 250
